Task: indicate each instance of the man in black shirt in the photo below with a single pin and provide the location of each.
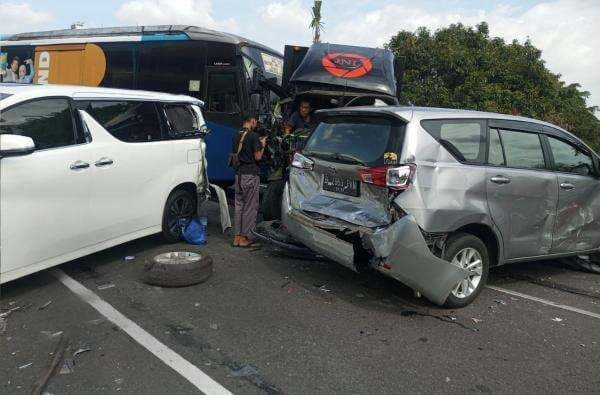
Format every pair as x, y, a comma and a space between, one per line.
250, 148
301, 119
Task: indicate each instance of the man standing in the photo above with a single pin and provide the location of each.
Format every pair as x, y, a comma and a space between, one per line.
301, 119
249, 147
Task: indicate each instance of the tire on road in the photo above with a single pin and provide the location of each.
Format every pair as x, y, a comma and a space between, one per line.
177, 269
271, 200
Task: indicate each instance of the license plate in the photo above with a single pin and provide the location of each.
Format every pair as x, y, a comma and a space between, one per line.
340, 185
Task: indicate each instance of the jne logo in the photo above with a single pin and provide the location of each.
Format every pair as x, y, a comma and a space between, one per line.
347, 65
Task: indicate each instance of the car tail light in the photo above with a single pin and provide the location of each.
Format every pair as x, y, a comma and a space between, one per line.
394, 177
302, 162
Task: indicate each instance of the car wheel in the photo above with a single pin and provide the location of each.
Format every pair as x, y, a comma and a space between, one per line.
271, 201
177, 269
469, 252
181, 205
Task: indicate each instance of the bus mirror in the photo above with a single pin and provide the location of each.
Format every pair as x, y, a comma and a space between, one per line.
255, 103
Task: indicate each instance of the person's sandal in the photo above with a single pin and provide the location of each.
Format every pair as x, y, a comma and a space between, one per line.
236, 241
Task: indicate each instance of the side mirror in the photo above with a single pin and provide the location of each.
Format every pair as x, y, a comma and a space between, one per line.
255, 103
15, 145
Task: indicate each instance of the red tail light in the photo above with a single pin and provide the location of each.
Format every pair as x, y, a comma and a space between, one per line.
395, 177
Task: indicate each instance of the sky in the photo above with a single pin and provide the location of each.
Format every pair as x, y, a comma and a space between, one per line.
567, 31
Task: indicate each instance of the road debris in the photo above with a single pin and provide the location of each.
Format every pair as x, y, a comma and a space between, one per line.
26, 365
10, 311
214, 326
68, 366
129, 258
557, 319
245, 371
476, 320
42, 307
51, 335
81, 351
322, 288
105, 285
500, 301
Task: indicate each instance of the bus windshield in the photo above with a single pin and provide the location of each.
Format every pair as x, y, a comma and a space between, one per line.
270, 64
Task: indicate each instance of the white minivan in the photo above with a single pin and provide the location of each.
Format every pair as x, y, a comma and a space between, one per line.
83, 169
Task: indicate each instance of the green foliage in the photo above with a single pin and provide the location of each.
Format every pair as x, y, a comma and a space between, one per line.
463, 67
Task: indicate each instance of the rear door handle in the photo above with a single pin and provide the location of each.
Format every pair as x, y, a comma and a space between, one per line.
567, 186
79, 165
104, 162
500, 180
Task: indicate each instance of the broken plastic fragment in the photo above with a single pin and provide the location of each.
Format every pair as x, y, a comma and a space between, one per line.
557, 319
48, 303
26, 365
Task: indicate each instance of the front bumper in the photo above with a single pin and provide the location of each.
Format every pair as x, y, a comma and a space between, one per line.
400, 248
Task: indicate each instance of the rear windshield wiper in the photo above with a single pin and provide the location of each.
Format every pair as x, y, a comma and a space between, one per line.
336, 156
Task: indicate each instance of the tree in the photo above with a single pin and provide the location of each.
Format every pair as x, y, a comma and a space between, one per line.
463, 67
316, 23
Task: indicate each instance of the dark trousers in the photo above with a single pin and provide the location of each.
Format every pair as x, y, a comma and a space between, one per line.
246, 204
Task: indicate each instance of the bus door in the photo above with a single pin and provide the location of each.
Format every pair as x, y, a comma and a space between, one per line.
223, 110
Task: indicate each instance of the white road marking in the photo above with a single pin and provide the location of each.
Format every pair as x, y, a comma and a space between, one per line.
544, 301
175, 361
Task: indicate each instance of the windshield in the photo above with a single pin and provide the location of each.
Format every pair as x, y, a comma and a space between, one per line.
269, 63
367, 141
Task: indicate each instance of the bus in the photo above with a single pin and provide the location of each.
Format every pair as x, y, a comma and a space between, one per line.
218, 68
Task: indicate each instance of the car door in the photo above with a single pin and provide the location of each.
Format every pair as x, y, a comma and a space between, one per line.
44, 195
131, 168
578, 213
521, 192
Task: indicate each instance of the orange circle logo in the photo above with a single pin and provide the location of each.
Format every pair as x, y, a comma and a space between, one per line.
347, 65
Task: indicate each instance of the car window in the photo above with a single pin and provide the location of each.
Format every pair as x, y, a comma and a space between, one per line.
522, 150
496, 154
570, 159
222, 93
371, 141
182, 118
132, 122
465, 139
48, 122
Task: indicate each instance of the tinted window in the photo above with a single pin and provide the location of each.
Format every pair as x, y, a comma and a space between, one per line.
569, 159
462, 138
522, 150
182, 118
131, 122
47, 121
119, 65
170, 66
222, 93
373, 141
4, 95
496, 155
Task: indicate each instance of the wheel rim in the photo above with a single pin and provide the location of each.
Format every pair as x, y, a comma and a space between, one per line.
470, 260
177, 257
180, 208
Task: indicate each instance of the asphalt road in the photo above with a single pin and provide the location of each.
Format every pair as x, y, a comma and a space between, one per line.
267, 323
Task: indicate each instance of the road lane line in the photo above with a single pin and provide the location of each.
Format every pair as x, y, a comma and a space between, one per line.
175, 361
544, 301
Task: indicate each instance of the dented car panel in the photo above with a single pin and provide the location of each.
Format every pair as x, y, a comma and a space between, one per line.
406, 257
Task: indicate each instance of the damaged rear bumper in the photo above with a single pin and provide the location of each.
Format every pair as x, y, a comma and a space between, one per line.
400, 249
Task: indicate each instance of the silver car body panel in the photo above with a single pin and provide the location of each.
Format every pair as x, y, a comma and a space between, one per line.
578, 214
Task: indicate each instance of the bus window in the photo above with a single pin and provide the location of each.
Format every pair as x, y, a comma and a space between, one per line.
119, 70
222, 93
175, 67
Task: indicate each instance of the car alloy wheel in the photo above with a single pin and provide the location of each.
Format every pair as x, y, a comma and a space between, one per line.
471, 260
180, 208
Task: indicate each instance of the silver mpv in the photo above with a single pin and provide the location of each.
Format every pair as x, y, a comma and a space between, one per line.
435, 197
